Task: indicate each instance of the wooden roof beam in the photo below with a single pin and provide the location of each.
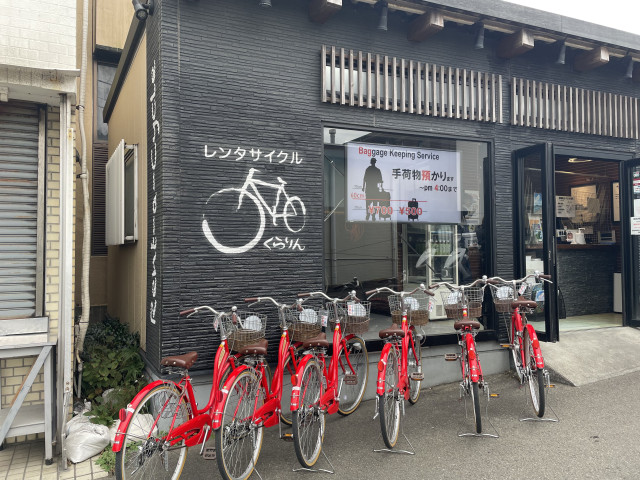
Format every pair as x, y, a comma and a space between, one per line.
516, 44
425, 26
322, 10
592, 59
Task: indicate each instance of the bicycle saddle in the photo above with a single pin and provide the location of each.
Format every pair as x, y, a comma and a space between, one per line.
467, 324
258, 348
393, 331
317, 341
181, 361
523, 303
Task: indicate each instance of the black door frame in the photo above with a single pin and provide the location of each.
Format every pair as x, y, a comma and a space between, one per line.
629, 316
546, 152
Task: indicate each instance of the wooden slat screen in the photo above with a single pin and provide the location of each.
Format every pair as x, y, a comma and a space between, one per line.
409, 86
569, 109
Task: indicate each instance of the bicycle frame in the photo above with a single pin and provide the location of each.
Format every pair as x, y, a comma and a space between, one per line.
469, 354
268, 414
403, 346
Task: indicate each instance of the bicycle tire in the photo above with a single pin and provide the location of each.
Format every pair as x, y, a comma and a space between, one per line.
535, 378
389, 401
289, 205
475, 399
358, 357
217, 242
238, 441
143, 453
414, 365
309, 419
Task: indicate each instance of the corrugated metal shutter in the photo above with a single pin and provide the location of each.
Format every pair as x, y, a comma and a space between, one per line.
20, 145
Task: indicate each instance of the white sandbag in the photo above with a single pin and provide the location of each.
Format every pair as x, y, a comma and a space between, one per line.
140, 429
85, 439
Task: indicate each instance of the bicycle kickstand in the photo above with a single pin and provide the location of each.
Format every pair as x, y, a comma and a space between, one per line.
404, 452
486, 415
318, 470
549, 386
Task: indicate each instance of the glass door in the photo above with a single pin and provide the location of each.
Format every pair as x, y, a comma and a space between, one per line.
630, 224
535, 248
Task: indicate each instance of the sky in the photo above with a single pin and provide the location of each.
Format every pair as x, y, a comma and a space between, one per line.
619, 14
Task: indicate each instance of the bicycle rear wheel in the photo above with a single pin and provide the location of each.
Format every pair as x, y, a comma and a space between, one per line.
308, 419
475, 399
516, 348
144, 453
389, 401
414, 365
238, 440
535, 378
356, 355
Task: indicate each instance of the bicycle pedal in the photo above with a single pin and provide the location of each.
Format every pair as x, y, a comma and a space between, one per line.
505, 345
351, 379
551, 385
287, 437
417, 376
450, 357
494, 395
209, 453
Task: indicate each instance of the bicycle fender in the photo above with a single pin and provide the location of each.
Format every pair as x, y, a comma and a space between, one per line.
224, 393
382, 368
295, 390
537, 351
472, 356
131, 407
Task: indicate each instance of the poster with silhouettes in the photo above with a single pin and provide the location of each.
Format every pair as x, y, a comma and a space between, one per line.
402, 184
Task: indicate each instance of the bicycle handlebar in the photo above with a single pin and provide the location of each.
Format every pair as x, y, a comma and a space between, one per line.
350, 296
483, 281
373, 292
218, 315
254, 300
537, 275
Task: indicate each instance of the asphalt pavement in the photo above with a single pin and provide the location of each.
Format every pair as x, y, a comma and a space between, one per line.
596, 436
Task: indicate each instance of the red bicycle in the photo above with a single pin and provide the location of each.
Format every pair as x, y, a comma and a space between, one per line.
163, 420
248, 404
400, 365
463, 303
338, 387
513, 299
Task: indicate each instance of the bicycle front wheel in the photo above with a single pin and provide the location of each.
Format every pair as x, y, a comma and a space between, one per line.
414, 366
516, 348
353, 373
475, 399
309, 419
389, 401
238, 440
535, 378
144, 452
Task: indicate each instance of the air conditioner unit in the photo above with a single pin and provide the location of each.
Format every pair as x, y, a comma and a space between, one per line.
122, 195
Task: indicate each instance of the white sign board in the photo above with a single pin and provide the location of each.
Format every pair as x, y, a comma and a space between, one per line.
565, 207
402, 184
635, 225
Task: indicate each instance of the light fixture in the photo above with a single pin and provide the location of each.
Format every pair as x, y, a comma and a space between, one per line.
264, 3
143, 10
480, 37
562, 52
382, 24
578, 160
332, 135
629, 72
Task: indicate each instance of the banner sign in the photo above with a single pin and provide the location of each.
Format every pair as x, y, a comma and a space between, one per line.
402, 184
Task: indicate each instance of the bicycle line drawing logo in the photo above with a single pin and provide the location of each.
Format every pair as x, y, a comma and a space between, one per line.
289, 208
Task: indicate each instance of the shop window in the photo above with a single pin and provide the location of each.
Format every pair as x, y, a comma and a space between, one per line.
403, 210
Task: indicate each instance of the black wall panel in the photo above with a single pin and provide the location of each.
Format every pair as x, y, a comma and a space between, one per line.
235, 77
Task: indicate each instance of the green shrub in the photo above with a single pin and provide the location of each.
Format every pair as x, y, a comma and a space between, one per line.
107, 461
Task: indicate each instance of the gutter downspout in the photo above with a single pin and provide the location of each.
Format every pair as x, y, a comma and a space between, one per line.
65, 318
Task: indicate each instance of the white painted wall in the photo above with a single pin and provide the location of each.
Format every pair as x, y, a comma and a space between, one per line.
38, 33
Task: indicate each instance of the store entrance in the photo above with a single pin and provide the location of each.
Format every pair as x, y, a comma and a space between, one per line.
588, 242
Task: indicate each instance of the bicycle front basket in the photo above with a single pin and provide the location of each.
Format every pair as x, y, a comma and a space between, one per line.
306, 323
244, 328
417, 305
503, 295
354, 316
454, 302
